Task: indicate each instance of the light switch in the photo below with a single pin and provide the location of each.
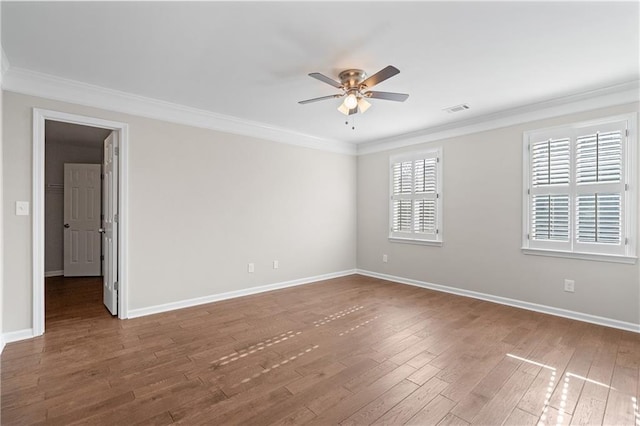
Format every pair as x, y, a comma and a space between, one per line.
22, 208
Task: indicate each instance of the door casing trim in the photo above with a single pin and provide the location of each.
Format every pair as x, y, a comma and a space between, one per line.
39, 118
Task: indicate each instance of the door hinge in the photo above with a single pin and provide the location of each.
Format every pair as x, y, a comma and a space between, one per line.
101, 176
437, 195
528, 191
115, 286
102, 257
626, 132
437, 159
626, 241
437, 231
528, 238
116, 150
626, 186
116, 218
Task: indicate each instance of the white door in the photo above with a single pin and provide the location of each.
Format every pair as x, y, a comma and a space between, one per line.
110, 225
81, 220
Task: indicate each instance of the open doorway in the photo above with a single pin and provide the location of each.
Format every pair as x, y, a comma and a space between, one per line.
79, 217
73, 257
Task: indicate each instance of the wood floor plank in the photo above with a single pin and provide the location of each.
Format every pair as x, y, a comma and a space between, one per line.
354, 402
620, 403
434, 412
422, 375
301, 416
421, 359
559, 418
379, 406
520, 417
309, 380
537, 396
591, 405
506, 399
325, 401
352, 350
481, 394
364, 380
318, 398
407, 408
451, 420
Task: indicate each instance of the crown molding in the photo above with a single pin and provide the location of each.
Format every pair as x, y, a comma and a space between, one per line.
47, 86
585, 101
33, 83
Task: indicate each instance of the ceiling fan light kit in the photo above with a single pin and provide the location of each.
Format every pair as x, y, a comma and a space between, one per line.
355, 89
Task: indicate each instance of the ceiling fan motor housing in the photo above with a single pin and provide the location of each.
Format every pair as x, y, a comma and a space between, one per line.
352, 78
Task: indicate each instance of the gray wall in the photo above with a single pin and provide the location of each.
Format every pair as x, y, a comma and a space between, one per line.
482, 230
202, 204
56, 154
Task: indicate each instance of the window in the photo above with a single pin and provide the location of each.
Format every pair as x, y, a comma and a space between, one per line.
580, 190
415, 210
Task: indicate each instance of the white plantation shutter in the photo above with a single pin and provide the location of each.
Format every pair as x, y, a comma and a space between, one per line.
599, 219
550, 162
550, 217
424, 216
600, 189
414, 212
402, 177
425, 176
599, 157
402, 215
576, 189
550, 201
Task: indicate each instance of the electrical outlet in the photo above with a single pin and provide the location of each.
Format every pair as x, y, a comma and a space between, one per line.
276, 264
385, 258
251, 268
569, 285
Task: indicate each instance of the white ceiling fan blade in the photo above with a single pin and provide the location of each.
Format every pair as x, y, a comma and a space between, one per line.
308, 101
385, 73
388, 96
325, 79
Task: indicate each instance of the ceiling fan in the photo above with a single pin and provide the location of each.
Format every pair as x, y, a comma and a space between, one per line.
355, 89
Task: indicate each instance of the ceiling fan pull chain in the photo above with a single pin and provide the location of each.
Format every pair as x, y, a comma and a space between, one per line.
353, 124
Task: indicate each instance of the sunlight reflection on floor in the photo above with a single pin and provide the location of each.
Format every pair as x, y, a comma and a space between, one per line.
565, 390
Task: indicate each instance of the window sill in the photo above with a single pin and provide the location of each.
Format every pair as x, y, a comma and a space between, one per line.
432, 243
581, 256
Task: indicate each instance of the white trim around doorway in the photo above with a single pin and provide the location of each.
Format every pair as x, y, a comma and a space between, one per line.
38, 273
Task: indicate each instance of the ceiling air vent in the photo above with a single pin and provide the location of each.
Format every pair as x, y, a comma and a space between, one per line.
457, 108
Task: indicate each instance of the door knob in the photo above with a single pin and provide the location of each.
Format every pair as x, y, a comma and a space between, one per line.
66, 225
101, 230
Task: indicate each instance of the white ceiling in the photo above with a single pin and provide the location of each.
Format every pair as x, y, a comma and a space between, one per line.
251, 60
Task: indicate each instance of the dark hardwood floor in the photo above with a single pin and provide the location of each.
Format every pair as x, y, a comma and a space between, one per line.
353, 350
69, 300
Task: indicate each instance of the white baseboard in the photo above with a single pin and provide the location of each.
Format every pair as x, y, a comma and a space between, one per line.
594, 319
14, 336
53, 274
135, 313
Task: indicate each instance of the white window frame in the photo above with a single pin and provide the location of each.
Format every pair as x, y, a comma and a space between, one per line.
575, 249
415, 237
